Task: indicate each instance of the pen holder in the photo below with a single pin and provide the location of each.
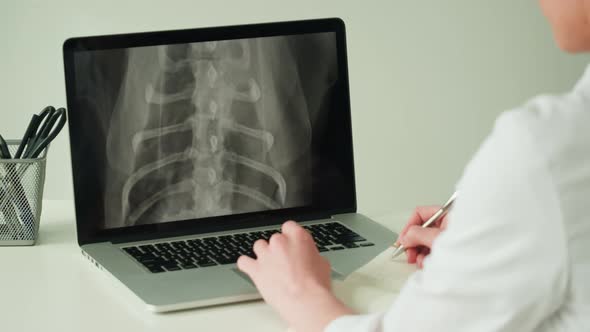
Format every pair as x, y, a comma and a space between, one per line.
21, 193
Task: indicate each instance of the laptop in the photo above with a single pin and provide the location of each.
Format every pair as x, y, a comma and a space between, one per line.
187, 146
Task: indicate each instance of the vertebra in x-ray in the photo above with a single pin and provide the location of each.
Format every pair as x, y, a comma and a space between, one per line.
208, 129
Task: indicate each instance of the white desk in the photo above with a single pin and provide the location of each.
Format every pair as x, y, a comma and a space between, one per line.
51, 287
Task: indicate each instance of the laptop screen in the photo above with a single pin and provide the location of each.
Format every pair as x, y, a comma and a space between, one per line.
189, 131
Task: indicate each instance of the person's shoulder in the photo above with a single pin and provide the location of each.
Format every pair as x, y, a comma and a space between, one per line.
550, 125
512, 156
546, 111
509, 149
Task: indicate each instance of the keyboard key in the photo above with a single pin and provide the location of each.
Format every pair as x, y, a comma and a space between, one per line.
156, 269
132, 250
168, 262
337, 248
149, 261
206, 263
172, 268
356, 238
225, 260
147, 248
366, 244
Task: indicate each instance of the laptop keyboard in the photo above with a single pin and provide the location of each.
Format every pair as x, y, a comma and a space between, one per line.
225, 249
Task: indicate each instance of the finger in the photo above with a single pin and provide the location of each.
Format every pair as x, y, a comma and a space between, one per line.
420, 260
414, 219
293, 230
411, 254
247, 265
426, 212
276, 239
419, 236
422, 254
260, 246
418, 217
291, 227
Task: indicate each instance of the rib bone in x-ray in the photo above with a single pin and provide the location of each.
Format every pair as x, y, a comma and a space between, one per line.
209, 129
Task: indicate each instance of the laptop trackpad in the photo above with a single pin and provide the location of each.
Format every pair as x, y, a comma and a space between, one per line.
243, 276
334, 275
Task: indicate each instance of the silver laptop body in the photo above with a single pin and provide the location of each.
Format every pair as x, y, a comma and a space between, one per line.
189, 145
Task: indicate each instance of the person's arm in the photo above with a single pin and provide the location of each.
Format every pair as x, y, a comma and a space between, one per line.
499, 264
294, 279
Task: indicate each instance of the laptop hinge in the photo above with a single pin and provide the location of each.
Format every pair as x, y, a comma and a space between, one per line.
244, 225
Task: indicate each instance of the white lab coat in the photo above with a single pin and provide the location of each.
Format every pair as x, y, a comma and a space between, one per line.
516, 253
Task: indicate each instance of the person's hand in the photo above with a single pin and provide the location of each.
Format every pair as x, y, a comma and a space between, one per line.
418, 240
294, 279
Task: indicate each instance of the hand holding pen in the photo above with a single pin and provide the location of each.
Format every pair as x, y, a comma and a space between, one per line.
425, 224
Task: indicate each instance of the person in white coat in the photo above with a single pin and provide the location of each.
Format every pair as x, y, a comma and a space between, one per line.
512, 255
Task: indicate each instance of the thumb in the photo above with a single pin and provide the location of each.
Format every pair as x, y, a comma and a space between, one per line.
247, 265
419, 236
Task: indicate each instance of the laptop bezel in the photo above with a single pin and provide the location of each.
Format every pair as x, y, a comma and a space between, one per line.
88, 233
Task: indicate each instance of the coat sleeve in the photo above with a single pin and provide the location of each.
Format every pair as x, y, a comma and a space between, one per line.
499, 266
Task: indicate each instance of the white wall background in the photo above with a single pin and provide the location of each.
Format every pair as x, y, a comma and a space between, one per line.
427, 77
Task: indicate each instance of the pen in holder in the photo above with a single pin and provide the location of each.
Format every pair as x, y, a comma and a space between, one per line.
21, 193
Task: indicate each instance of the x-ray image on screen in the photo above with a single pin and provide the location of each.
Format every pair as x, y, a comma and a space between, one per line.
209, 128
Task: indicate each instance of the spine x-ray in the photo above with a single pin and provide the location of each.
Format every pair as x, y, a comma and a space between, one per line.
209, 128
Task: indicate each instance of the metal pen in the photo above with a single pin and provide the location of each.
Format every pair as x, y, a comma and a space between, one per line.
435, 217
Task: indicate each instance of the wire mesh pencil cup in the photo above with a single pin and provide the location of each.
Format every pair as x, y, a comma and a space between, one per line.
21, 193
